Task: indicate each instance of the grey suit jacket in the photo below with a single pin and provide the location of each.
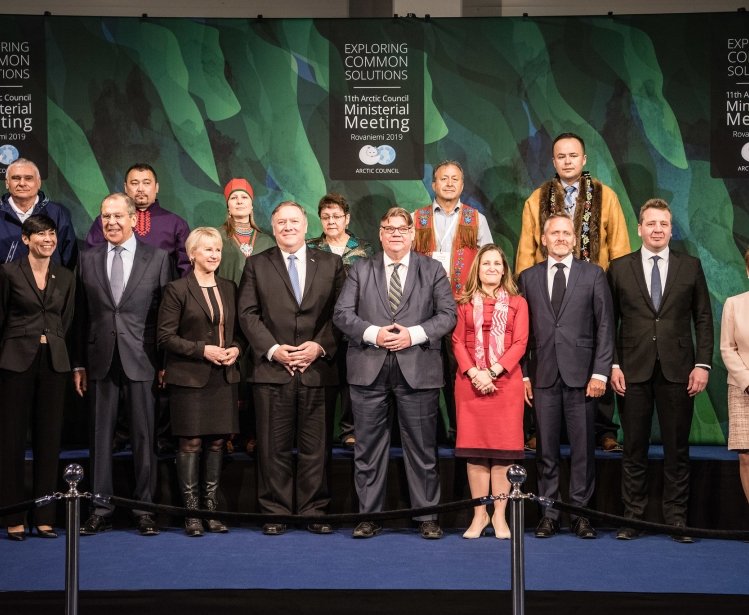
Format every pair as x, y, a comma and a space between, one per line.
427, 301
577, 343
99, 323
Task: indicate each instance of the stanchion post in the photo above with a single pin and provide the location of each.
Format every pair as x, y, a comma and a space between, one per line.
73, 475
516, 474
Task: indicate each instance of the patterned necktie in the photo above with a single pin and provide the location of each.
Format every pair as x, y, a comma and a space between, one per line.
294, 275
117, 275
569, 200
656, 288
559, 285
395, 292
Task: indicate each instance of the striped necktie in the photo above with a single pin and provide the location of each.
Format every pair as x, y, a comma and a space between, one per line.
395, 292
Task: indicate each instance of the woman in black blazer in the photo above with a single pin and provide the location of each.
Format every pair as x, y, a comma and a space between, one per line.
36, 308
199, 332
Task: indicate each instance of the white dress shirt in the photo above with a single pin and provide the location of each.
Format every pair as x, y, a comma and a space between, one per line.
418, 336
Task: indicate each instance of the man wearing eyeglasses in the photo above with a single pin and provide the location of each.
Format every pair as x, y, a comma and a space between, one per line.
451, 232
395, 308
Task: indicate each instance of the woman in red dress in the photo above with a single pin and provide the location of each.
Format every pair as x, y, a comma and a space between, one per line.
489, 341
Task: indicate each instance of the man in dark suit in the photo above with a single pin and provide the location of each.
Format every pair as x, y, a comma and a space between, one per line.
570, 352
120, 285
395, 309
659, 295
285, 307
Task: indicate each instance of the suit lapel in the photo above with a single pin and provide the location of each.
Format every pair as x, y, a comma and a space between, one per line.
100, 270
674, 262
414, 263
639, 274
543, 287
276, 258
377, 263
309, 276
197, 293
141, 258
29, 275
575, 271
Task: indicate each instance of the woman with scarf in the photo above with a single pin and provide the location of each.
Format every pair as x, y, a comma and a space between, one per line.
489, 341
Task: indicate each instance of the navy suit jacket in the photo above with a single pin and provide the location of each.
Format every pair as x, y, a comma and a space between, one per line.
579, 341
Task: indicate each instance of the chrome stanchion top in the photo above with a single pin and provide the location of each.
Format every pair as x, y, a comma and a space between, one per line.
73, 475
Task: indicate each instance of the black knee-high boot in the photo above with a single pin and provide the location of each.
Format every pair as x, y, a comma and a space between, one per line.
188, 473
212, 461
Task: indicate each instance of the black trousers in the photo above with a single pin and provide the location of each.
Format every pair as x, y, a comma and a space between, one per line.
286, 415
674, 408
36, 395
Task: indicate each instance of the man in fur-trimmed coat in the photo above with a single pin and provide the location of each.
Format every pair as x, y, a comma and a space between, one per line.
600, 231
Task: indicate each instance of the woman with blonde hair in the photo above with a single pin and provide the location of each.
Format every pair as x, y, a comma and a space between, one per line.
489, 341
199, 331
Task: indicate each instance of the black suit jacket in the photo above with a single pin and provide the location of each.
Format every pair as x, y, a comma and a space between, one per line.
27, 313
644, 333
100, 324
269, 313
579, 341
185, 327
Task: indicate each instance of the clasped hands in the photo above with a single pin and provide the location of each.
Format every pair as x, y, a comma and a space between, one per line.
220, 356
297, 358
481, 380
394, 337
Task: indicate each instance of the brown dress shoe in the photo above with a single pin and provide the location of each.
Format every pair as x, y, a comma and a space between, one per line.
610, 445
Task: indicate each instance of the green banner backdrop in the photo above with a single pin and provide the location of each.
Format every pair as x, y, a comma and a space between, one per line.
207, 100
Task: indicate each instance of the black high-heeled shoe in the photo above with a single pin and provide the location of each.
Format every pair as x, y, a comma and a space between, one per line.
18, 536
45, 533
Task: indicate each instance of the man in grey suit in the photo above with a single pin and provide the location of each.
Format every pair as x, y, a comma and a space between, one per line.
120, 286
570, 353
395, 309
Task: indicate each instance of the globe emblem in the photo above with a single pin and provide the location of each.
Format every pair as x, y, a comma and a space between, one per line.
8, 154
386, 154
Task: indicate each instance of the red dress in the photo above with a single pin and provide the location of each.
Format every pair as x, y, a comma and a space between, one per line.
491, 426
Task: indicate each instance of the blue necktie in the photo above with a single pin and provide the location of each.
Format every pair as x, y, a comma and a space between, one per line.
656, 289
569, 200
294, 275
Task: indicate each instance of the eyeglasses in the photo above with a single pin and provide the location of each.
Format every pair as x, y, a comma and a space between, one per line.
335, 217
396, 230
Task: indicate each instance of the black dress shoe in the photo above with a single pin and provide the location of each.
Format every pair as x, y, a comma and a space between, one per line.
17, 536
583, 528
546, 528
45, 533
627, 533
430, 530
366, 529
95, 524
274, 529
685, 540
320, 528
147, 526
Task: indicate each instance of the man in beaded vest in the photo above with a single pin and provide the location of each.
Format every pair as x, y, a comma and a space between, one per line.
600, 230
451, 232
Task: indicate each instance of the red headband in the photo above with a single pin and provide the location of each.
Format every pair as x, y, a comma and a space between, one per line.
238, 184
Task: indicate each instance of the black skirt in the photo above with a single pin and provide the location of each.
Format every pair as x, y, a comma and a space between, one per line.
209, 410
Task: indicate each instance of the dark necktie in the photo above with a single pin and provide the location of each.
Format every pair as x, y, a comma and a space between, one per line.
117, 275
656, 288
557, 288
294, 275
395, 292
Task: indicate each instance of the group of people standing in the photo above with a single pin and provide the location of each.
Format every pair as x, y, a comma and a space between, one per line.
306, 321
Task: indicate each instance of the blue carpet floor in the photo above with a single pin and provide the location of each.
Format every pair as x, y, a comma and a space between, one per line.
397, 559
